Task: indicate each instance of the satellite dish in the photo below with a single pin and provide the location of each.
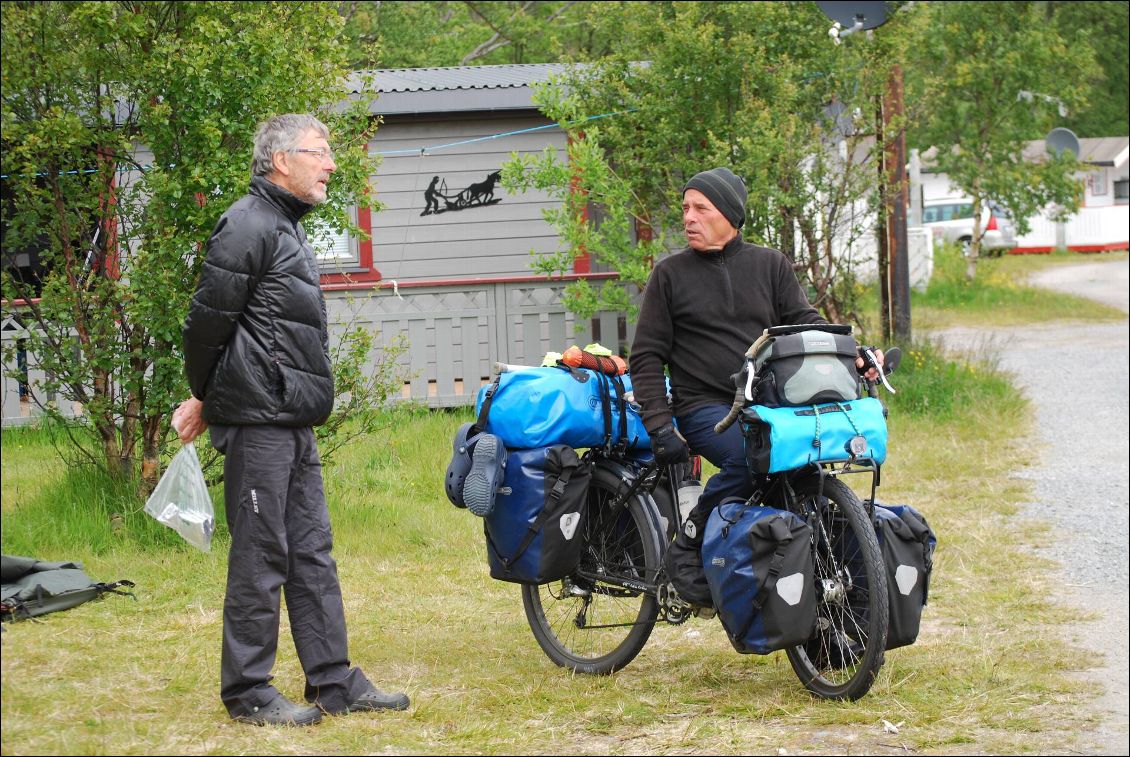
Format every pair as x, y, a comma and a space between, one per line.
852, 12
1060, 139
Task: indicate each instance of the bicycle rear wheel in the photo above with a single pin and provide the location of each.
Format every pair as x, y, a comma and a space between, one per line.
845, 653
597, 620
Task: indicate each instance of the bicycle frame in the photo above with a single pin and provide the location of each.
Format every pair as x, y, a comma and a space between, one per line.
777, 488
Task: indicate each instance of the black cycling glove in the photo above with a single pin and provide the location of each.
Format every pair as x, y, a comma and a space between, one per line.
867, 365
669, 447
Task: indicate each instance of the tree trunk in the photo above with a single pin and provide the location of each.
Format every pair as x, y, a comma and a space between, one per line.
975, 242
150, 452
971, 263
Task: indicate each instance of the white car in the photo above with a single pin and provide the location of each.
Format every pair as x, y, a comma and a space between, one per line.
952, 221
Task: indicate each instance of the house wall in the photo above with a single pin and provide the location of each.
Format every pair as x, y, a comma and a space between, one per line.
490, 240
936, 186
1099, 183
465, 295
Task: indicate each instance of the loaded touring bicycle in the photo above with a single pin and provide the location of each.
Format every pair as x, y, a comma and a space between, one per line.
578, 513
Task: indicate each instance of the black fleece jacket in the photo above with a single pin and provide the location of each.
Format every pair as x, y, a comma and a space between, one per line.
256, 346
700, 313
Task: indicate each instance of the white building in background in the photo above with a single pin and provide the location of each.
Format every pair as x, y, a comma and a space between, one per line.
1103, 220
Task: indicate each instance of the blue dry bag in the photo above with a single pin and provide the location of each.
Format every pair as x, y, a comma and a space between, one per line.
786, 438
537, 407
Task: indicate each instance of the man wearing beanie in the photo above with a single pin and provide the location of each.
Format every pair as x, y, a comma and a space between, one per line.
702, 308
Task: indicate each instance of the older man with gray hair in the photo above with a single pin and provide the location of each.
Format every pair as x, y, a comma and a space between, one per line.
257, 357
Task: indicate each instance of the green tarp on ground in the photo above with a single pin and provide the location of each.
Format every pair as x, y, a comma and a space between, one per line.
34, 587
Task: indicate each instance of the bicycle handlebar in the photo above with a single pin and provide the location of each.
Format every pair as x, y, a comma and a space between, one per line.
743, 394
871, 361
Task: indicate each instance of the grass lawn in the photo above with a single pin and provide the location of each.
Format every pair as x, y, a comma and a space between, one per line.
989, 674
1000, 296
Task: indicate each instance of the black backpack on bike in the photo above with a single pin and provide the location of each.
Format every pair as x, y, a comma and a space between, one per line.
805, 365
907, 543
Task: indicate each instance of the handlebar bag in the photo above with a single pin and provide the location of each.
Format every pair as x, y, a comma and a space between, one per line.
538, 407
808, 367
907, 543
534, 532
785, 438
758, 564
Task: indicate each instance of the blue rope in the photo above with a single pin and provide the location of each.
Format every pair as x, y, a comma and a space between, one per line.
425, 150
412, 151
91, 170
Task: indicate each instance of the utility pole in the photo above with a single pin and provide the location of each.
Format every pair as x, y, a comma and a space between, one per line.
896, 199
882, 229
852, 17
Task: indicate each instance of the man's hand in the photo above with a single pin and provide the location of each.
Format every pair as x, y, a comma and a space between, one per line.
669, 446
188, 419
871, 374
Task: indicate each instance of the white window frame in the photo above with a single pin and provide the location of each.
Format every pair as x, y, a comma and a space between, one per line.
336, 252
1096, 181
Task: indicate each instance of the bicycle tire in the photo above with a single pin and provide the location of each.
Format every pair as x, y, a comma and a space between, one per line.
845, 653
596, 626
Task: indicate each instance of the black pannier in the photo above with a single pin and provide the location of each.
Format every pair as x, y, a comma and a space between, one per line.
907, 544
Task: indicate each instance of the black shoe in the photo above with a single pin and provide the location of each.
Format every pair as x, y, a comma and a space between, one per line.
488, 466
374, 699
683, 565
281, 711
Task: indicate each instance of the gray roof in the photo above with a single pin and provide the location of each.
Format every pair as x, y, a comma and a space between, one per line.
453, 90
1104, 151
1095, 151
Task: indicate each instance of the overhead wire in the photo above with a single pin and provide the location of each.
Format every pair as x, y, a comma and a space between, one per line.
405, 151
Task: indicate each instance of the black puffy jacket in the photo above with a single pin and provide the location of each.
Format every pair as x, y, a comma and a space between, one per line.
256, 348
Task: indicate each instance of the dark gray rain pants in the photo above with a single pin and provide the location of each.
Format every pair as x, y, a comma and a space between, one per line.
281, 541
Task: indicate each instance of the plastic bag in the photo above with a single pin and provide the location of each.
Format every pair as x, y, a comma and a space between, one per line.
181, 500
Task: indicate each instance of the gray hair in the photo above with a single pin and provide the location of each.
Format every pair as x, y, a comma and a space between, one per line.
281, 133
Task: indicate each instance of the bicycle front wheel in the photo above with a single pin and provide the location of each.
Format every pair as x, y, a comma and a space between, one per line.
597, 620
845, 653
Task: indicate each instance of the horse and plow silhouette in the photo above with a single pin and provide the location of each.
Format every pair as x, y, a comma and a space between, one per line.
478, 194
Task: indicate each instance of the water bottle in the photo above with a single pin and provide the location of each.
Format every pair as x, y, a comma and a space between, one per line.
690, 489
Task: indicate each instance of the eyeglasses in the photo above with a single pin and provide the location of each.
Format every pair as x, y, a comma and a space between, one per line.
321, 152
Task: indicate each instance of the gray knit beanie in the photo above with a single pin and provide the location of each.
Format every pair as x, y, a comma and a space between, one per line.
725, 190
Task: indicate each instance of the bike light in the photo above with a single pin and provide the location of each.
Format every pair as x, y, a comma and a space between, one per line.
856, 446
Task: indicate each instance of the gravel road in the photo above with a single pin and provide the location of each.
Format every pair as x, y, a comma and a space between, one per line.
1075, 374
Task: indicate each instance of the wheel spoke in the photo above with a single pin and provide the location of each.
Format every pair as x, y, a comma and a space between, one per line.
846, 652
598, 620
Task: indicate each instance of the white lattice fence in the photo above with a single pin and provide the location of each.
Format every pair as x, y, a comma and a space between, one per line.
23, 378
454, 336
